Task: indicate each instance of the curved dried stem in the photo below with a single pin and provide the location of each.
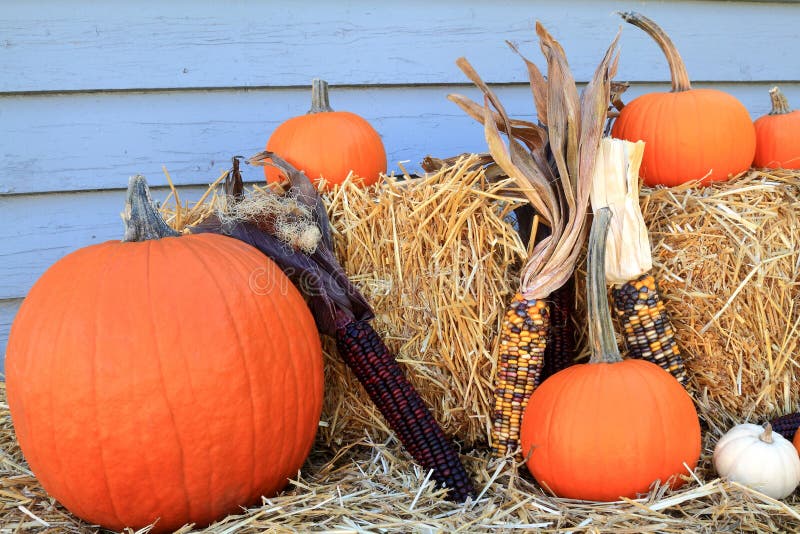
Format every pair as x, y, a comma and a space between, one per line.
677, 68
601, 329
142, 219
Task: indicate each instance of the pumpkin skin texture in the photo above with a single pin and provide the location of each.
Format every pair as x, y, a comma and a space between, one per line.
778, 136
796, 442
328, 144
689, 134
698, 134
174, 379
601, 431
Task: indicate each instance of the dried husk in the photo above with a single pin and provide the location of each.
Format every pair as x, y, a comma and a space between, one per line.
615, 185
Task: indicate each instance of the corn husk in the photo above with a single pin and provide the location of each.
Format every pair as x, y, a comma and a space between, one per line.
553, 162
615, 185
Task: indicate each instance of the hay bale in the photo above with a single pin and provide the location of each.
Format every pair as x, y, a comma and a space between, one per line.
438, 260
728, 261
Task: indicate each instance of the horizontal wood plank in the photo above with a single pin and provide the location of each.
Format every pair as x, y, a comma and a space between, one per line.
38, 230
96, 141
8, 309
54, 45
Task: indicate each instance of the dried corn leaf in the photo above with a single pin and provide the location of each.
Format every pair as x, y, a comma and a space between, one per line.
537, 83
574, 125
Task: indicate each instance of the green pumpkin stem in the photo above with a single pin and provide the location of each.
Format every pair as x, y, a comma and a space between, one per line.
320, 103
677, 68
601, 330
780, 105
141, 217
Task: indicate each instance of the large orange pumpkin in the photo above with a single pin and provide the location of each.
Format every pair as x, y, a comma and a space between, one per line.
328, 144
778, 135
690, 134
174, 379
609, 428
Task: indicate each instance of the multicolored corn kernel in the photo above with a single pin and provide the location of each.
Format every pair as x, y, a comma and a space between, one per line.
559, 352
374, 366
786, 425
646, 325
523, 338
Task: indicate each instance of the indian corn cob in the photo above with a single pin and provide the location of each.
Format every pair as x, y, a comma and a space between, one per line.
552, 162
523, 338
786, 425
341, 311
646, 326
559, 352
377, 370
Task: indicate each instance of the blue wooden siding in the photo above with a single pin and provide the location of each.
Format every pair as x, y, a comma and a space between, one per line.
92, 92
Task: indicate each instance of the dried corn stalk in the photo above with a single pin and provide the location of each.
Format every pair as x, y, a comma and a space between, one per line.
552, 163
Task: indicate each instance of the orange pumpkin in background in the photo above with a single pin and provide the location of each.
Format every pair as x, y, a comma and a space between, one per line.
608, 428
328, 144
163, 378
690, 134
778, 135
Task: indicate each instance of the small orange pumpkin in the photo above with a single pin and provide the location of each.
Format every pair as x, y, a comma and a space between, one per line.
163, 378
328, 144
608, 428
690, 134
778, 135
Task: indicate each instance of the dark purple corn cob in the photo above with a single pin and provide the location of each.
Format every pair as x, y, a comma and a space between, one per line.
786, 425
559, 353
383, 378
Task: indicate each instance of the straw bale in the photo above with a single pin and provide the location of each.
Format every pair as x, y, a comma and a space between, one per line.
438, 260
728, 261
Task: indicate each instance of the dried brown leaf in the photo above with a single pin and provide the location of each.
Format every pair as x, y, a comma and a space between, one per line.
533, 136
537, 82
563, 112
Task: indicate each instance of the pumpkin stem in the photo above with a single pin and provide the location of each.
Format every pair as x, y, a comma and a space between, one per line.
780, 105
677, 69
141, 217
601, 330
766, 436
320, 103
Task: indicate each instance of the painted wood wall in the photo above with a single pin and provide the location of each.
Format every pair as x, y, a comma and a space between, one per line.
92, 92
